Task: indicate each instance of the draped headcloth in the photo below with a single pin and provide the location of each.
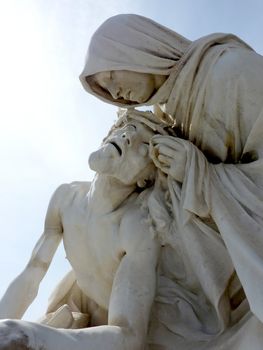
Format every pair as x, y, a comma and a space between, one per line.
134, 43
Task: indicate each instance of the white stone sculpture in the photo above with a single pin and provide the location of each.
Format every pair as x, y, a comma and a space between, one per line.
181, 266
147, 274
211, 95
110, 245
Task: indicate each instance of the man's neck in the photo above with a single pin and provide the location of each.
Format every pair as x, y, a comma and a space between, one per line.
107, 193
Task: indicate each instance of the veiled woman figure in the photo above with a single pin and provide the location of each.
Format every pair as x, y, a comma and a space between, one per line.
210, 91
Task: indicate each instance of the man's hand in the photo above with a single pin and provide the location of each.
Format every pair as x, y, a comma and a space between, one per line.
169, 155
12, 336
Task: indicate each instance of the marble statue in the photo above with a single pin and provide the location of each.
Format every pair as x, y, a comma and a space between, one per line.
166, 243
110, 244
210, 92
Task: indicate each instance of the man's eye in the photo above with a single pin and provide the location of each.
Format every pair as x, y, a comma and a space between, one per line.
132, 126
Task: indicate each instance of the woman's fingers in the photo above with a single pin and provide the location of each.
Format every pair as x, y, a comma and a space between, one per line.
169, 141
168, 151
164, 168
166, 154
165, 159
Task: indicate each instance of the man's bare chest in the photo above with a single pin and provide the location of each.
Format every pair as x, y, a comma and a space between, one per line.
93, 243
91, 236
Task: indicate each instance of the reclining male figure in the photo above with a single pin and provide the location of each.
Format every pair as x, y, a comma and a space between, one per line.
109, 245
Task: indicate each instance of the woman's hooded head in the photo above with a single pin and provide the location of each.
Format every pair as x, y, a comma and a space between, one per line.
131, 43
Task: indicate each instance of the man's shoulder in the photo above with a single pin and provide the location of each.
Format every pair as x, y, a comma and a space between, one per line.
136, 226
137, 205
67, 190
75, 186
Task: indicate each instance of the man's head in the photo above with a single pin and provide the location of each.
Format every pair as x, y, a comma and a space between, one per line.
124, 153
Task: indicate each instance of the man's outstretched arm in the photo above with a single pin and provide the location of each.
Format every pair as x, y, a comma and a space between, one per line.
129, 310
23, 290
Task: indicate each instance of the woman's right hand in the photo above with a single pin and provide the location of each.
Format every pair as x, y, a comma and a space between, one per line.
169, 155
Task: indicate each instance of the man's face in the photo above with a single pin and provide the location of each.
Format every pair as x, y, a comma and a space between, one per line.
125, 153
127, 85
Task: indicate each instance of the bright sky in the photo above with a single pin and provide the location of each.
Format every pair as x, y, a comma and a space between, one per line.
49, 124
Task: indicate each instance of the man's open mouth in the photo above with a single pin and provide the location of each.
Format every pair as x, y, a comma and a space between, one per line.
117, 147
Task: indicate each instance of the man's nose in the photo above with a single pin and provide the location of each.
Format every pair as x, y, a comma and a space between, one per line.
127, 136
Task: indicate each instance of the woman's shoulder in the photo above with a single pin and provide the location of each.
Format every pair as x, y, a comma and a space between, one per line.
238, 61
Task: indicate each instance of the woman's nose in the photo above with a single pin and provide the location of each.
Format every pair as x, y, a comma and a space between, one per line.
114, 91
115, 94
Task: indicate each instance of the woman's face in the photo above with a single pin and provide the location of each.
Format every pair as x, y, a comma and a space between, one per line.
128, 85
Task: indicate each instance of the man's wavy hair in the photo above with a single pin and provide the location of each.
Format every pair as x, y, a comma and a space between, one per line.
147, 118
